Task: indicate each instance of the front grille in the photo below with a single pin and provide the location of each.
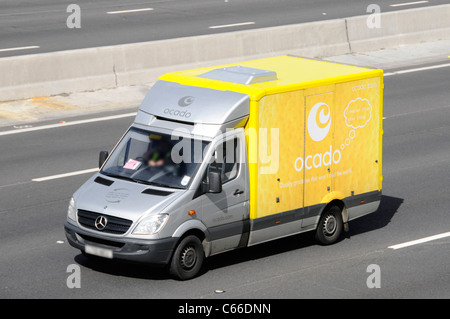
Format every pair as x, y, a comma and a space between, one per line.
115, 225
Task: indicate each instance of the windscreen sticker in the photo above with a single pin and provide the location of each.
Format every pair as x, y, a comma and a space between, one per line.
132, 164
185, 180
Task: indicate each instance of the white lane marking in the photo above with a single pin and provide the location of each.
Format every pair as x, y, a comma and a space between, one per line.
45, 127
419, 111
20, 48
445, 65
130, 11
407, 3
420, 241
231, 25
85, 171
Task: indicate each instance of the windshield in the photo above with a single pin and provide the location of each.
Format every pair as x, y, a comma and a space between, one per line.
155, 159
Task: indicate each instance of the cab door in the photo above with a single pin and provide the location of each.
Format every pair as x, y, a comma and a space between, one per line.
226, 214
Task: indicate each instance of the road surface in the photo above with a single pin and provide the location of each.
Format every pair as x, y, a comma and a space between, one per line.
35, 256
29, 27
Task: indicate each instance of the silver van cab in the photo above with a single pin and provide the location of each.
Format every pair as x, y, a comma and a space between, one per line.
175, 185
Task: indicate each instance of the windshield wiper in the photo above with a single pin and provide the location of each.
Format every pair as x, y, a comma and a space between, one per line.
126, 178
139, 181
163, 185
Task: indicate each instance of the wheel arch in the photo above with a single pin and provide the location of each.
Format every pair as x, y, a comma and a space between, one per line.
341, 205
196, 228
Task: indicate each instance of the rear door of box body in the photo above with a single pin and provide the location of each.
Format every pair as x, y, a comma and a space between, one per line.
358, 107
342, 148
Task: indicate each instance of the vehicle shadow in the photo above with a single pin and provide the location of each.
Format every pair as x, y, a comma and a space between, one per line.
122, 268
388, 207
379, 219
376, 220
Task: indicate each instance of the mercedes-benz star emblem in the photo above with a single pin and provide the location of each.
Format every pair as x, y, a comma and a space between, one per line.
100, 222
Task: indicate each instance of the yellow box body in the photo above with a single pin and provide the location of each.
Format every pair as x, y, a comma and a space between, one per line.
314, 135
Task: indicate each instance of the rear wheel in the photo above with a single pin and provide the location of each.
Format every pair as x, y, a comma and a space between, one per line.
330, 226
187, 260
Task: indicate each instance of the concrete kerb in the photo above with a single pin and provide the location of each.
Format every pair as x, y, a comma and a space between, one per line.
142, 58
141, 63
135, 64
55, 73
400, 28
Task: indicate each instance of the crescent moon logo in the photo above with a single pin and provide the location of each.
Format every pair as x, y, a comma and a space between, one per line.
186, 100
319, 121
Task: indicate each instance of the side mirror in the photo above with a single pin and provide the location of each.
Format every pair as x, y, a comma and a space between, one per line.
215, 182
102, 158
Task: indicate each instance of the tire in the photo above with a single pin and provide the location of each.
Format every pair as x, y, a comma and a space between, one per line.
330, 226
187, 260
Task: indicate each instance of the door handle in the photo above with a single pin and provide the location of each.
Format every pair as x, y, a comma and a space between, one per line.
238, 192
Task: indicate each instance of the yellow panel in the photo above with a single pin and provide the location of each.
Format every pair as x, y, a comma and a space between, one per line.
380, 139
320, 90
281, 127
293, 74
320, 155
252, 154
358, 138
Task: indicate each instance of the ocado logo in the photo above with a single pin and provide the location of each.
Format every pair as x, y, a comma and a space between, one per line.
186, 100
318, 160
177, 113
319, 121
319, 124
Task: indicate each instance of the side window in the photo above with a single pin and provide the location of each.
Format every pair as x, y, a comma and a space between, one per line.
226, 160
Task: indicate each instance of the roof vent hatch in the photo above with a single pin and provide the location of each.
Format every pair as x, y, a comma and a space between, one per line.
240, 74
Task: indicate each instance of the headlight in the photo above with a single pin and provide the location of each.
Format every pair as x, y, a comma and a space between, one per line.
72, 211
151, 225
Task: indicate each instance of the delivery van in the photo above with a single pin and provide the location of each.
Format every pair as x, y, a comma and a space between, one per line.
236, 155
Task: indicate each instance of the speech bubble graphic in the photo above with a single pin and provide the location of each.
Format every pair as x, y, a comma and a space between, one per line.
358, 113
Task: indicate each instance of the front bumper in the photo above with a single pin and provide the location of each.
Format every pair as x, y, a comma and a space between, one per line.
157, 252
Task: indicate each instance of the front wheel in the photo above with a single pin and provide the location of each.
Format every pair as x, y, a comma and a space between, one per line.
187, 260
330, 226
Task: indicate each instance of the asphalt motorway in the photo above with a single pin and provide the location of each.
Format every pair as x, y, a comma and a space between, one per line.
35, 256
30, 27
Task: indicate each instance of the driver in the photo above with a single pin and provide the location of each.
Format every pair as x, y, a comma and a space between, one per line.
160, 155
